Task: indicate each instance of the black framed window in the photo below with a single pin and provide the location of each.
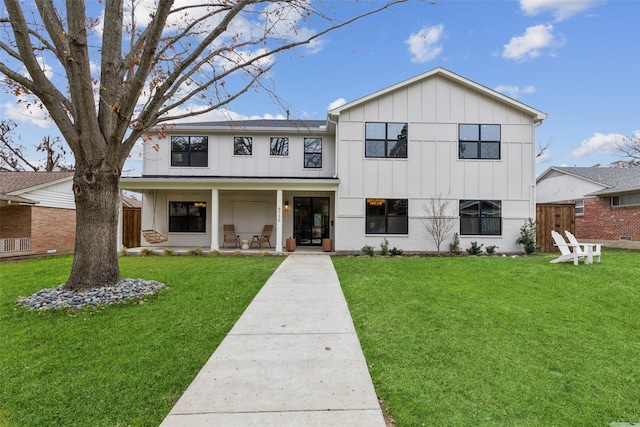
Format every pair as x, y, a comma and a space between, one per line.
188, 217
279, 146
481, 217
190, 151
313, 152
479, 141
385, 140
387, 216
242, 145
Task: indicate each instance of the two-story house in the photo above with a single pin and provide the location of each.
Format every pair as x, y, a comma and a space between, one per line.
364, 174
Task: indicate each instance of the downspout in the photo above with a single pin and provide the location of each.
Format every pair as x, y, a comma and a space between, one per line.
337, 137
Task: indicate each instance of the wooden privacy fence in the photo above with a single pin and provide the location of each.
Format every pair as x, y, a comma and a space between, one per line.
131, 226
554, 216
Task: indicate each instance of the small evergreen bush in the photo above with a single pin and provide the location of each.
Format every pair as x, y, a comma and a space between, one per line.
368, 250
475, 249
528, 237
454, 246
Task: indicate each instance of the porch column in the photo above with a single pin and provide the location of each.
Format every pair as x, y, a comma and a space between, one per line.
215, 213
279, 220
119, 237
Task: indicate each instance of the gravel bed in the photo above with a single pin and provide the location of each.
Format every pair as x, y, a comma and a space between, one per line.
55, 298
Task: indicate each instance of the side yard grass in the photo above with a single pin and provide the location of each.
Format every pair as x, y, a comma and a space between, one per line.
124, 364
488, 341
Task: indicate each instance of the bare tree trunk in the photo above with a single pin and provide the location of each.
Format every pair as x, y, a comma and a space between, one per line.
95, 262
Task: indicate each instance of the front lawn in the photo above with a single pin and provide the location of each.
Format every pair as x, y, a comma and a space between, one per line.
120, 365
488, 341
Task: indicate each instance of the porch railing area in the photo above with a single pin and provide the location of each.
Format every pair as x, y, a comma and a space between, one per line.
15, 244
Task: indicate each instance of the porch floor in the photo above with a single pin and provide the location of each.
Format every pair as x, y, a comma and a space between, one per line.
160, 250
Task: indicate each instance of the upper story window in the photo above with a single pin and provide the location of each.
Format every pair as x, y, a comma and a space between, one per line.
626, 200
188, 217
387, 216
279, 146
479, 141
242, 145
313, 152
385, 140
189, 151
480, 217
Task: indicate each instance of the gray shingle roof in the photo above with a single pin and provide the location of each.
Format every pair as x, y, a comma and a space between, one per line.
15, 181
262, 123
617, 180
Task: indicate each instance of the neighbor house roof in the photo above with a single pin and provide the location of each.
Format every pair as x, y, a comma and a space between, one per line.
614, 180
538, 115
13, 184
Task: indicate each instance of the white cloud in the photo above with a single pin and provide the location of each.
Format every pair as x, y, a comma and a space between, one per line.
27, 111
515, 91
599, 143
531, 44
561, 9
424, 45
337, 103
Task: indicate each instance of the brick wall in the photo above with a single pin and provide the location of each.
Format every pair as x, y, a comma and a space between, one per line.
16, 221
53, 229
603, 222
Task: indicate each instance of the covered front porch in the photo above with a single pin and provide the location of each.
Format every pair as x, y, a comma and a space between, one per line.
193, 213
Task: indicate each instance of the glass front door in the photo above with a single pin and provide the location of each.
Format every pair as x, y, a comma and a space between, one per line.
311, 220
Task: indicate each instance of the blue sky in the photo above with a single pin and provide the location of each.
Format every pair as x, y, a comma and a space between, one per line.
578, 61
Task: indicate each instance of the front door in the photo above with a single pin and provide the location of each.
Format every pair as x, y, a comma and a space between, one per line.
310, 220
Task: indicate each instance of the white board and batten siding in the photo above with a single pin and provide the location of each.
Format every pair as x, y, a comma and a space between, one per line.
433, 108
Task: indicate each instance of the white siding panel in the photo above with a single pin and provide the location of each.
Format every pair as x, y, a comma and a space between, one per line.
471, 180
443, 101
58, 195
355, 169
459, 112
427, 101
564, 188
370, 183
486, 181
385, 177
401, 108
401, 187
517, 181
471, 105
487, 110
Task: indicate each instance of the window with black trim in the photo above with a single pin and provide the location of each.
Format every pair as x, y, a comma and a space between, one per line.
385, 140
188, 217
387, 216
189, 151
242, 145
479, 141
279, 146
481, 217
313, 152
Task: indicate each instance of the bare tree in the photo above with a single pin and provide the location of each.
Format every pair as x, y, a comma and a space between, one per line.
629, 149
13, 156
543, 148
440, 221
153, 62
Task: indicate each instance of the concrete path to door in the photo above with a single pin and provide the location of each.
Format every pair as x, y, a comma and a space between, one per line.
292, 359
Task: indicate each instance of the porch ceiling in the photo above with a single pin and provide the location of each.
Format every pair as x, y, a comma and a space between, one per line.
209, 183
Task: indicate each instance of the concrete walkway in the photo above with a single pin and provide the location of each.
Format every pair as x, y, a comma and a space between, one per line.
293, 359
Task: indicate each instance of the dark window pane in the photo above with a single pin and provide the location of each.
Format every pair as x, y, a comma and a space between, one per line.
490, 150
374, 149
398, 225
189, 217
397, 148
481, 217
468, 150
490, 133
279, 146
376, 225
242, 146
179, 159
313, 152
387, 216
469, 226
375, 131
469, 133
313, 160
179, 143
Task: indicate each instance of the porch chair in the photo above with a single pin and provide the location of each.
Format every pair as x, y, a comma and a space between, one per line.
230, 235
582, 247
265, 237
566, 254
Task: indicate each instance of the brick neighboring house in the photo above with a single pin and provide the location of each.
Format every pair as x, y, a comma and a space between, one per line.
607, 200
37, 213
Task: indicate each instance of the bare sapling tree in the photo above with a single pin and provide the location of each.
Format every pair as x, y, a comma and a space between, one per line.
106, 72
14, 157
440, 221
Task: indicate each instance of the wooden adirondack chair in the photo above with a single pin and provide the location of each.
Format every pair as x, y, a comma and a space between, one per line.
230, 235
590, 250
265, 237
566, 254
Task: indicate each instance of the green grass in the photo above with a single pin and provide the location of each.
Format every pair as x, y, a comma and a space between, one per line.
124, 364
489, 341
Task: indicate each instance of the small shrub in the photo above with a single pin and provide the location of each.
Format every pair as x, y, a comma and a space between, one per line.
454, 246
123, 251
145, 252
167, 251
368, 250
528, 237
195, 252
395, 251
384, 247
491, 249
214, 253
475, 249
